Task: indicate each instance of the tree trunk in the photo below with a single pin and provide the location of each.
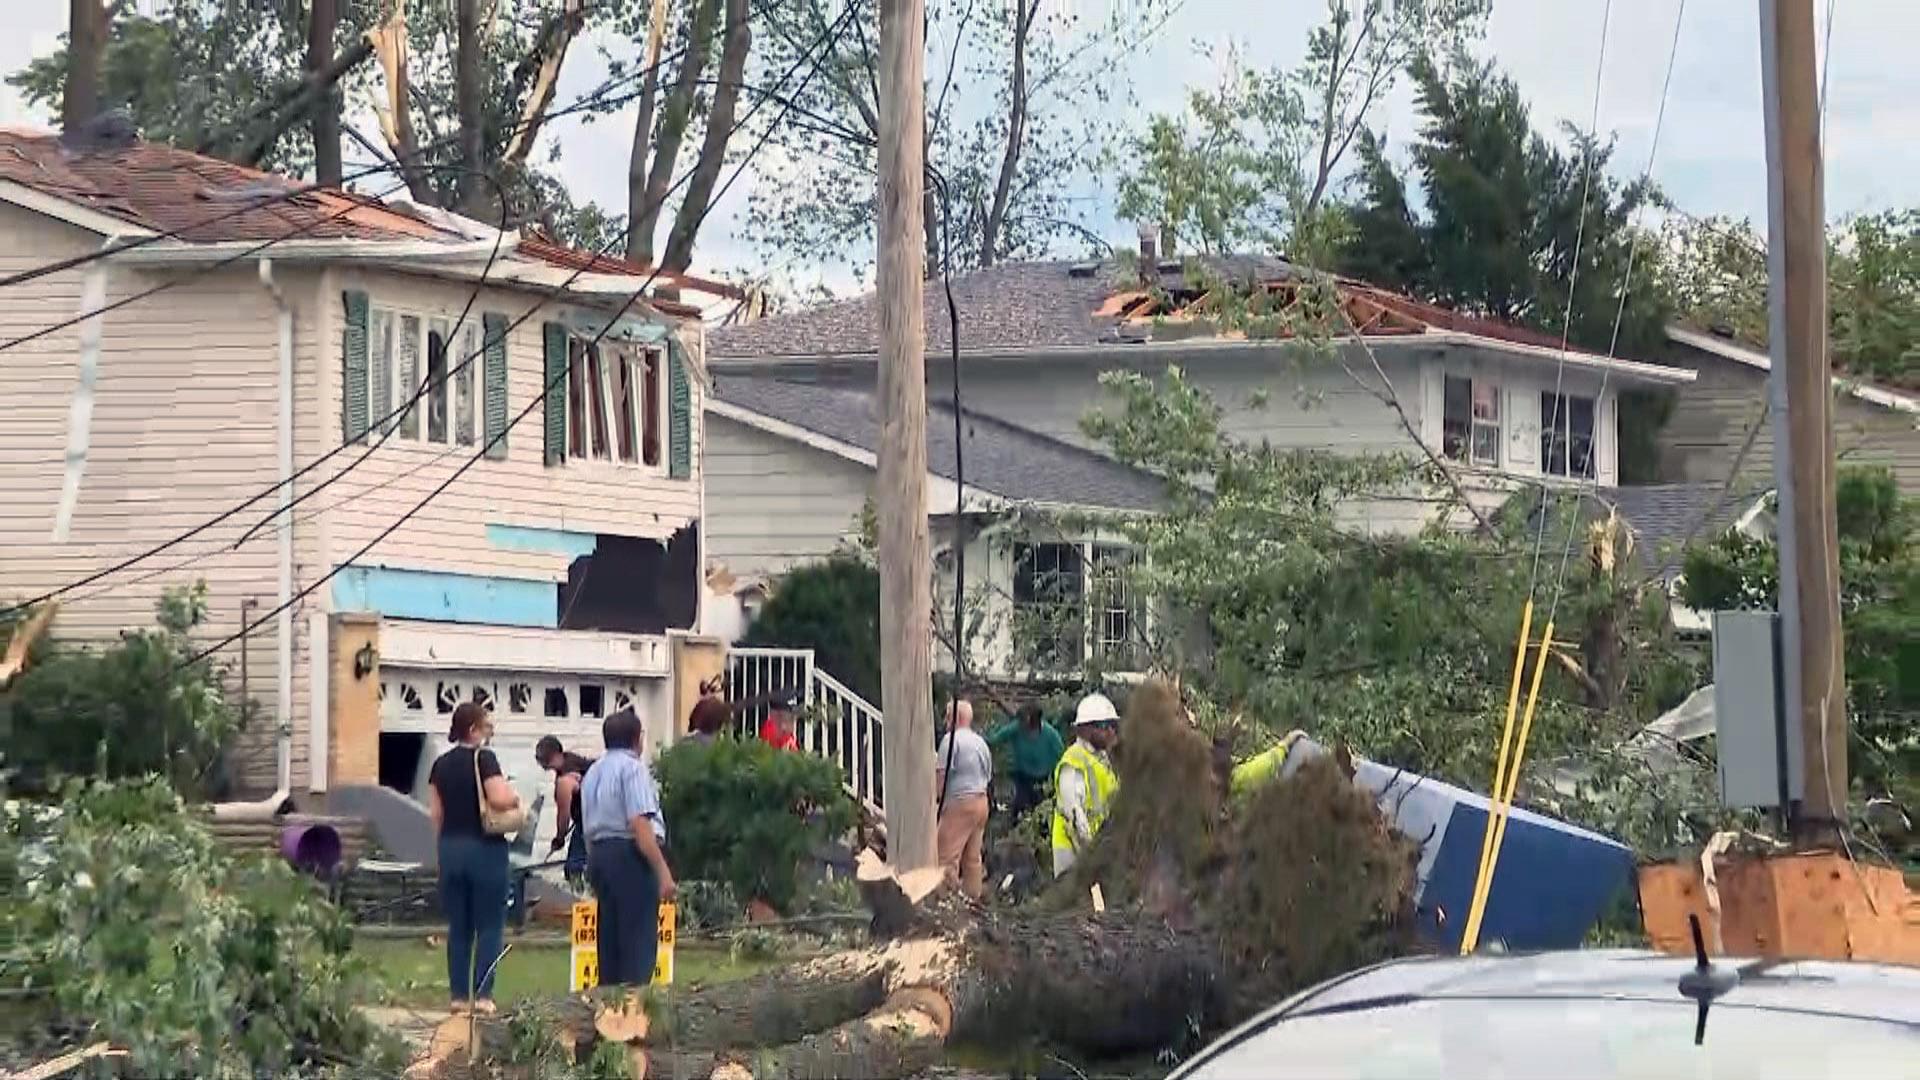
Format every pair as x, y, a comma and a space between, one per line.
675, 114
86, 49
1024, 12
466, 78
713, 149
554, 42
396, 118
324, 122
643, 134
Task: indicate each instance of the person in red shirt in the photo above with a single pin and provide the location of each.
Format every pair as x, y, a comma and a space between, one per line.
777, 730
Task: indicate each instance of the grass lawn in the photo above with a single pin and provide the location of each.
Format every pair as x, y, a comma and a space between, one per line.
413, 971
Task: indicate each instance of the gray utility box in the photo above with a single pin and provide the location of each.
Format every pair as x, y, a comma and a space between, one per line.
1757, 737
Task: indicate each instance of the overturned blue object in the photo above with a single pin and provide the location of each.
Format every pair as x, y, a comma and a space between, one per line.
1553, 881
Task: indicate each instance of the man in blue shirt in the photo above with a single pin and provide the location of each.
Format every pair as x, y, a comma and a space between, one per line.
625, 831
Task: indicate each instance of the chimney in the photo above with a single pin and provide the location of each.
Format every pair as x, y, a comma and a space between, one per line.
1149, 247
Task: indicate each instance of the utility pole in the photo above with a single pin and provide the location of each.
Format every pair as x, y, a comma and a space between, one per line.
1801, 399
906, 570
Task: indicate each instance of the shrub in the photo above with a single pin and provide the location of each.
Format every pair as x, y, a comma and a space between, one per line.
833, 608
743, 813
132, 709
199, 963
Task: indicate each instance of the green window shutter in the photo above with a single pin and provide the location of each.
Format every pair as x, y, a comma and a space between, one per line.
494, 385
679, 417
556, 389
353, 367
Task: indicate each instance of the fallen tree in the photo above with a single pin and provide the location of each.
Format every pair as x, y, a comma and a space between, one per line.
1205, 902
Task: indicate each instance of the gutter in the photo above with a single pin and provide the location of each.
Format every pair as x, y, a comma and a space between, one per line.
1122, 352
283, 622
175, 253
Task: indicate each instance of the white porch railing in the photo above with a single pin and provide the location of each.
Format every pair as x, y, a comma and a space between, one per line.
845, 729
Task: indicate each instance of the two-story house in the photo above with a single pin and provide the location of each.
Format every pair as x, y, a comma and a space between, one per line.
465, 463
1505, 405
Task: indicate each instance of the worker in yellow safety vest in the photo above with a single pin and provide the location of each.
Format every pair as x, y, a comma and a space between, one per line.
1084, 783
1278, 761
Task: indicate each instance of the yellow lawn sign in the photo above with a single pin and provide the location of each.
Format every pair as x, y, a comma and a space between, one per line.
586, 946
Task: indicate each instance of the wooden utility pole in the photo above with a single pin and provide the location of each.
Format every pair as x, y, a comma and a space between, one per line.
906, 570
1801, 398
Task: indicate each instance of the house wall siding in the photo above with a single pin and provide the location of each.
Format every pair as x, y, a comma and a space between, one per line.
183, 428
773, 503
451, 533
1711, 418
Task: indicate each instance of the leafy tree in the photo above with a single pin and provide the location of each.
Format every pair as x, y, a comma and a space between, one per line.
132, 709
1401, 646
1252, 162
1503, 232
1009, 154
139, 927
1880, 613
749, 815
832, 607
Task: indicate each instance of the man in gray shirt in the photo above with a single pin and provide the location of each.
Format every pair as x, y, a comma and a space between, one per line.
965, 770
625, 830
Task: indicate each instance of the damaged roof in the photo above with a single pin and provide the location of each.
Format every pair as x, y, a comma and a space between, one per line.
1661, 516
195, 199
1002, 459
1036, 306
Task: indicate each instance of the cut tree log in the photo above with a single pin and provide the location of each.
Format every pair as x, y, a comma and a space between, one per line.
895, 898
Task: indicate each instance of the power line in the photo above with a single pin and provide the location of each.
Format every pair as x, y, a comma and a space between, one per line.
393, 415
246, 628
601, 98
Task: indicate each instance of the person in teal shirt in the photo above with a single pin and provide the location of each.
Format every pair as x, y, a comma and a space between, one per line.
1036, 749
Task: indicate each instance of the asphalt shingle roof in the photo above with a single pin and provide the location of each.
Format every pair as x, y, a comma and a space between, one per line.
1020, 305
1004, 459
1662, 515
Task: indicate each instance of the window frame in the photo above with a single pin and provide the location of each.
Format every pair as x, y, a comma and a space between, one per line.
610, 386
1557, 435
387, 327
1083, 587
1476, 425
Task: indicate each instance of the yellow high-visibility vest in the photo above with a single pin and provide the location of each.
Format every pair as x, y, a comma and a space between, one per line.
1101, 784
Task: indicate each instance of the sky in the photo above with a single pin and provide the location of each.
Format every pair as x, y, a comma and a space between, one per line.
1711, 158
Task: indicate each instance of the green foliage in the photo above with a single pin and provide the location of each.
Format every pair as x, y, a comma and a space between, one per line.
1225, 176
1880, 611
1717, 273
131, 709
749, 815
832, 607
1503, 216
1402, 647
198, 963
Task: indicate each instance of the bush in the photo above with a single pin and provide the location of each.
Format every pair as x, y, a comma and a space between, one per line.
200, 964
748, 815
133, 709
833, 608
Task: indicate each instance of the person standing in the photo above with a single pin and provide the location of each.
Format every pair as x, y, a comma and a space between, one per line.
473, 864
568, 770
625, 861
1036, 752
964, 771
1084, 782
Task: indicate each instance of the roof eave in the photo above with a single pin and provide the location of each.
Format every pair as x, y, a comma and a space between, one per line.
1759, 361
68, 211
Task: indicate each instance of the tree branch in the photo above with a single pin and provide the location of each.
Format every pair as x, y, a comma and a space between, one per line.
1024, 12
554, 40
297, 101
389, 42
675, 114
643, 131
713, 147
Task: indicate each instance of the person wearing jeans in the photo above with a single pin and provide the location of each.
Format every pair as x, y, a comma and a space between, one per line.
625, 862
473, 865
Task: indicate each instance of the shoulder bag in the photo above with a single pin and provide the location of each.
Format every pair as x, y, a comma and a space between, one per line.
495, 822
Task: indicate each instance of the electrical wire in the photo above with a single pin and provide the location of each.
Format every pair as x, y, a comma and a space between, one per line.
601, 98
382, 422
834, 31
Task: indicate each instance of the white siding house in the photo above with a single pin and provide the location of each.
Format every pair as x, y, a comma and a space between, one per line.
535, 553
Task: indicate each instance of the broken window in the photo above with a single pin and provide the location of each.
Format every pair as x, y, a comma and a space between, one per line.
431, 366
614, 403
1470, 421
1566, 435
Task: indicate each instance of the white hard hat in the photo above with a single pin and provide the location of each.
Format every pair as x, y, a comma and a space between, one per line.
1093, 709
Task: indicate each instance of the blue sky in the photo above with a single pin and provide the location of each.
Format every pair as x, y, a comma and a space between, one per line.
1711, 158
